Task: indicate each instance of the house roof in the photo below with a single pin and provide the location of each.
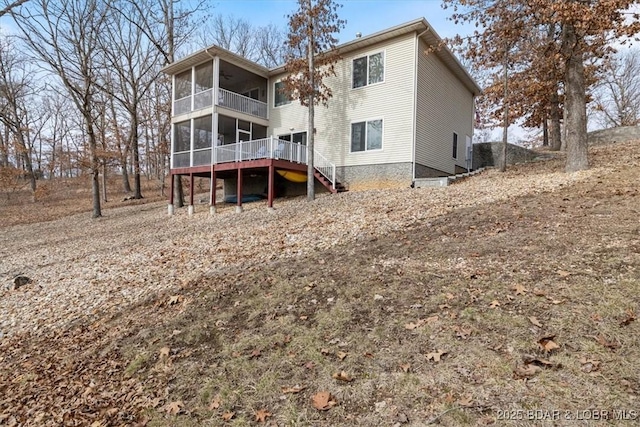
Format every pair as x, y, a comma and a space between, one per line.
420, 26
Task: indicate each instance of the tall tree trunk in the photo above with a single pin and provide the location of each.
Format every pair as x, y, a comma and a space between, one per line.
555, 132
135, 148
95, 165
311, 193
104, 181
576, 109
545, 130
505, 101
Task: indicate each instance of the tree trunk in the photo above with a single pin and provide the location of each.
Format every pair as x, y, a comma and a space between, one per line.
576, 110
555, 133
178, 198
311, 193
505, 101
104, 181
136, 155
95, 164
545, 130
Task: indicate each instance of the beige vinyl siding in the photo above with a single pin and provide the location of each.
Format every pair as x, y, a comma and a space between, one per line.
391, 100
444, 106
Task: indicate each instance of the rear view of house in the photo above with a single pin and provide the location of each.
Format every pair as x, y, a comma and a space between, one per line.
400, 110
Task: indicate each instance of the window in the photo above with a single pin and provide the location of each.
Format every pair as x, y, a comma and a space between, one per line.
203, 134
368, 70
455, 145
182, 87
280, 97
366, 136
296, 138
182, 136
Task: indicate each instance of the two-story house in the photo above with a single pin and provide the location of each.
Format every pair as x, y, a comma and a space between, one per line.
402, 108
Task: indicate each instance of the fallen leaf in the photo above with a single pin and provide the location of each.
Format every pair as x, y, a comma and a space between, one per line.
255, 354
494, 304
436, 355
465, 401
547, 343
431, 319
606, 343
303, 317
342, 376
174, 408
215, 403
449, 296
293, 390
405, 367
631, 316
175, 299
461, 332
539, 292
526, 371
325, 351
520, 289
411, 326
563, 273
589, 365
543, 363
534, 320
341, 355
164, 352
227, 416
262, 415
323, 401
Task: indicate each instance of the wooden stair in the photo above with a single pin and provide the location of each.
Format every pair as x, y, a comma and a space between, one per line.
339, 187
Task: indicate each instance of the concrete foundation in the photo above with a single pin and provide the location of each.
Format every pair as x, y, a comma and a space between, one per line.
190, 210
212, 210
170, 210
239, 209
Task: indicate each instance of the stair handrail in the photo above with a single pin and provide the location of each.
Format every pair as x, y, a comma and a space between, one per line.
325, 167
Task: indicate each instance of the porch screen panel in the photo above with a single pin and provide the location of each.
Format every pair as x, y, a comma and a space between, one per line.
182, 136
204, 77
182, 87
203, 133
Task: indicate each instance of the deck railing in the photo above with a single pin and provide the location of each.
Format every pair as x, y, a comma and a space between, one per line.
226, 98
325, 167
242, 103
265, 148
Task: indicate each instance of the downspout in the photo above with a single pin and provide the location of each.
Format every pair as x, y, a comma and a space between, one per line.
415, 107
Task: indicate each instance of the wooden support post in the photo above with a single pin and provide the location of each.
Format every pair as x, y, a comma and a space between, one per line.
170, 208
212, 198
191, 194
270, 185
239, 192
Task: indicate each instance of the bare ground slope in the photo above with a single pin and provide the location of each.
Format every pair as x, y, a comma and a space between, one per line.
453, 306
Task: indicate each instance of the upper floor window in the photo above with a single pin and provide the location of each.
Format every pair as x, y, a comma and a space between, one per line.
366, 136
182, 87
368, 70
280, 96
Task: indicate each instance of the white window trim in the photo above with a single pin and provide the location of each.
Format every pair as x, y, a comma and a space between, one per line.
384, 70
365, 137
274, 96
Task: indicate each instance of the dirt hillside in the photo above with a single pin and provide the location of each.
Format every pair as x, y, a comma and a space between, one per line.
503, 299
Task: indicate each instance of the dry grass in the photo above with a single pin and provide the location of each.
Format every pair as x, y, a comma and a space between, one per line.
466, 284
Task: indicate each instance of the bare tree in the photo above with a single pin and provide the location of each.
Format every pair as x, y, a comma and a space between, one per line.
64, 35
10, 6
131, 65
15, 87
311, 30
617, 98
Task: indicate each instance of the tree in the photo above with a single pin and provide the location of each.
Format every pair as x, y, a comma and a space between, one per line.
63, 35
15, 88
131, 65
585, 29
311, 30
617, 97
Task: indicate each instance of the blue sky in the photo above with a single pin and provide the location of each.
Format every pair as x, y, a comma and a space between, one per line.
365, 16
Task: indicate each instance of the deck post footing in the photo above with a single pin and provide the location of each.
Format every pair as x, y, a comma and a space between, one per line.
239, 209
212, 210
190, 210
170, 209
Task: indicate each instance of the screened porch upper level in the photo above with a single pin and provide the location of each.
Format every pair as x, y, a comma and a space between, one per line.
222, 83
